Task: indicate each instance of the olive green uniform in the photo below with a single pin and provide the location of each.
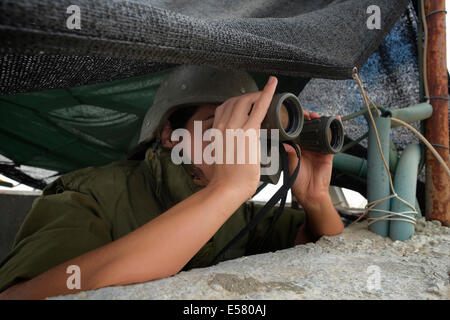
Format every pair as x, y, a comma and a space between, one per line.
91, 207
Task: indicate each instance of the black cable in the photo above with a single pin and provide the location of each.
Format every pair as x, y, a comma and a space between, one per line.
285, 167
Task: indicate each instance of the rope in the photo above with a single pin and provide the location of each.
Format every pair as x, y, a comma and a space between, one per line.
425, 141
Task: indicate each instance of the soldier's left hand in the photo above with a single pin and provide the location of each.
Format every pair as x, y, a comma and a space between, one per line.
314, 178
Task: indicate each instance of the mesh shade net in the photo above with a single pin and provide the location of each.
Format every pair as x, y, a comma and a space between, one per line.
119, 39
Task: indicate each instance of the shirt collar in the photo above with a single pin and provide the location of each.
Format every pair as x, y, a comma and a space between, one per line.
172, 182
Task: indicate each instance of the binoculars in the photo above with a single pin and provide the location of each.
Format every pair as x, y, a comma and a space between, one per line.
322, 135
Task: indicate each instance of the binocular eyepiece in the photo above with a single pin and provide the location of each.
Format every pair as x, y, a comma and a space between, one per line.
285, 113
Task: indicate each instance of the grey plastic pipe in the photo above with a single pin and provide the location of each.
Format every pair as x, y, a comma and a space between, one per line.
405, 183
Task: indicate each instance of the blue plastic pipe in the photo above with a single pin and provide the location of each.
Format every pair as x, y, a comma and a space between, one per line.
413, 113
350, 164
377, 178
405, 183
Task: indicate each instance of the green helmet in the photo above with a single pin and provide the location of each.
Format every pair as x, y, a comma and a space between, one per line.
191, 85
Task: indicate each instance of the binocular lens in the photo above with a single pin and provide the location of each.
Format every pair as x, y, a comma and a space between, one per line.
335, 137
285, 114
324, 135
286, 118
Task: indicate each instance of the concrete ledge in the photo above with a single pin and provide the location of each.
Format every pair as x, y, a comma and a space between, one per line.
339, 267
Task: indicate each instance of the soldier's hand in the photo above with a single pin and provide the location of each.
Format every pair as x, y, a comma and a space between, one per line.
241, 116
313, 182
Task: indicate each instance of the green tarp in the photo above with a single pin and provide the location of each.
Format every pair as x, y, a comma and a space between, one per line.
67, 129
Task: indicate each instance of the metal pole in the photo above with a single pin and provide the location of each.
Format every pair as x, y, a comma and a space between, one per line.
437, 182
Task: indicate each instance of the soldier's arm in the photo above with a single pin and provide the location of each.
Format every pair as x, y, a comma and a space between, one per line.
158, 249
164, 245
321, 219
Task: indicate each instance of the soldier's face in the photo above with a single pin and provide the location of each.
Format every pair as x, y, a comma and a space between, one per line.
205, 114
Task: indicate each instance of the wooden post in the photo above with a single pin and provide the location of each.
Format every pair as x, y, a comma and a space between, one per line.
437, 181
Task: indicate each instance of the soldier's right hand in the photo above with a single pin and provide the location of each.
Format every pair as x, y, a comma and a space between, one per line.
241, 116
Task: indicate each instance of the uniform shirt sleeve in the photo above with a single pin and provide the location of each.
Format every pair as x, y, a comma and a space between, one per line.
284, 232
59, 227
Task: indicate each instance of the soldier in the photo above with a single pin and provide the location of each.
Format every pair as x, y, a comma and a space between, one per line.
146, 218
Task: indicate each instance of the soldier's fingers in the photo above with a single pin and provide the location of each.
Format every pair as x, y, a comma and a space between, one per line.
218, 115
222, 116
242, 108
262, 104
306, 114
314, 115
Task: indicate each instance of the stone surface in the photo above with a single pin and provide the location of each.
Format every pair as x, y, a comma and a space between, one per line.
345, 266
